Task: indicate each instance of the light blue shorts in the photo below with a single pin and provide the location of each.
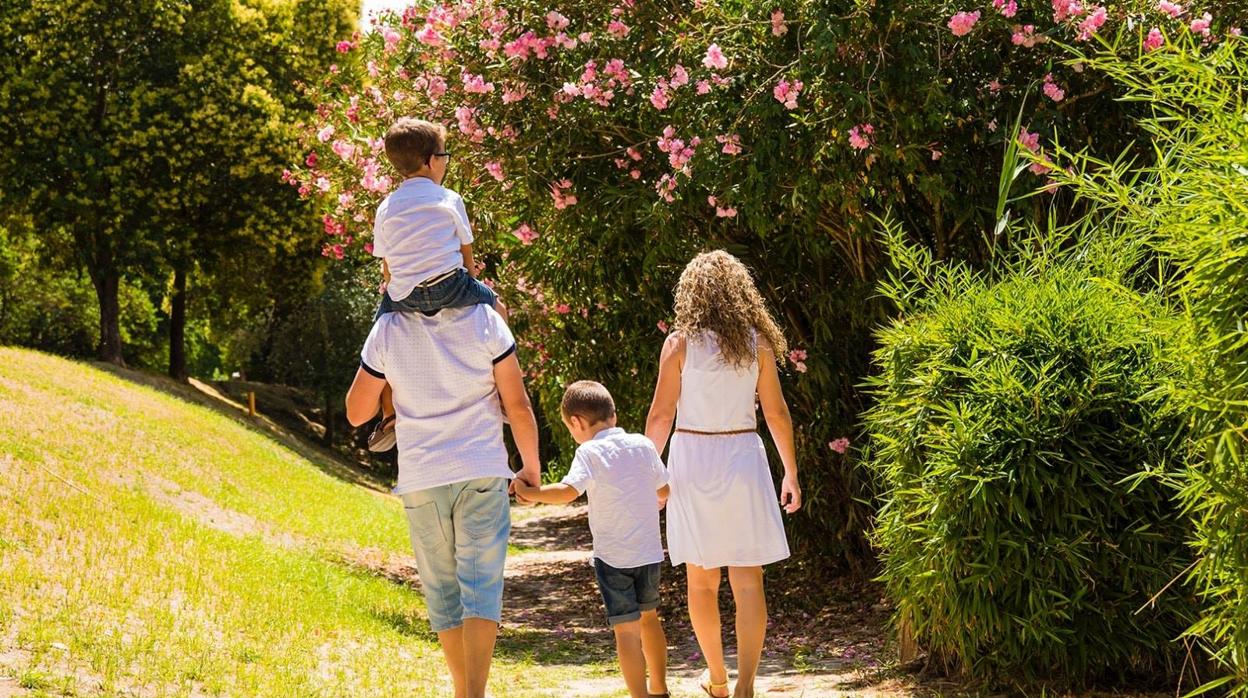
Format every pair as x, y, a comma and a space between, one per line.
459, 534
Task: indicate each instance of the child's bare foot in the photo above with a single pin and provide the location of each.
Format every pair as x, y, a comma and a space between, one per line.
382, 439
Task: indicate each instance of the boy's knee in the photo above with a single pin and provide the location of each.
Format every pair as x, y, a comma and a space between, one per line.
628, 629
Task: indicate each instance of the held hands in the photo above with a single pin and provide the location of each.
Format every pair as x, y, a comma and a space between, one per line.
527, 481
790, 495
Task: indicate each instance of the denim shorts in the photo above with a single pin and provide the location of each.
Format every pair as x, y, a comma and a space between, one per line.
627, 592
459, 534
460, 290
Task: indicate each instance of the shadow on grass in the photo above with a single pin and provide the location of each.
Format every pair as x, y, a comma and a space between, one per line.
206, 395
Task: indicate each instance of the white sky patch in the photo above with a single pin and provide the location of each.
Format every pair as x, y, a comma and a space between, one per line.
368, 8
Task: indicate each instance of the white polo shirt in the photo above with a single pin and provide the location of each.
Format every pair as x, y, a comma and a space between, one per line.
419, 229
622, 474
449, 422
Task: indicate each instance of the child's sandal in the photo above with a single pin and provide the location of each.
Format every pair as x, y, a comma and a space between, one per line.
383, 437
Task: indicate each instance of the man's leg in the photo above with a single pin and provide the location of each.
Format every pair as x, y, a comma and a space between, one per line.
482, 521
632, 660
432, 530
452, 642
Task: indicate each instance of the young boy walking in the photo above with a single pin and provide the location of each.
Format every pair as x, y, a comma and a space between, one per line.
421, 233
626, 483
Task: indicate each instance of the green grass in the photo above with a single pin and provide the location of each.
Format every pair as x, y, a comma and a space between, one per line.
103, 556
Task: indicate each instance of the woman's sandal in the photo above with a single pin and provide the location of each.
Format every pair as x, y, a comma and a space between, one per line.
705, 683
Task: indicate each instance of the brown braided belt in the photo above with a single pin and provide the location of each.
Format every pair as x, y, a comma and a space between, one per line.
715, 433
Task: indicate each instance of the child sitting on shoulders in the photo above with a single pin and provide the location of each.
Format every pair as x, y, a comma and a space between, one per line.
627, 485
423, 237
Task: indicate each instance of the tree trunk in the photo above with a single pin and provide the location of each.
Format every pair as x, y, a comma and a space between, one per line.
107, 283
328, 438
177, 327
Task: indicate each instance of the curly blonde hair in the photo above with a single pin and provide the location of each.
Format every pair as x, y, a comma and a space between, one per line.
717, 294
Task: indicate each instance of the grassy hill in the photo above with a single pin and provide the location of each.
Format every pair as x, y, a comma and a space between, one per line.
150, 545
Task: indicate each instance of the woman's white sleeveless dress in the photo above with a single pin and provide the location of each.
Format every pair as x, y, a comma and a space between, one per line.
723, 510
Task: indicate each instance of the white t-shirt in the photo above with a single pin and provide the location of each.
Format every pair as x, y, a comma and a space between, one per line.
622, 473
449, 422
418, 230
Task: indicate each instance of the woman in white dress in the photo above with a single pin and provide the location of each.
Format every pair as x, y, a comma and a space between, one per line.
723, 510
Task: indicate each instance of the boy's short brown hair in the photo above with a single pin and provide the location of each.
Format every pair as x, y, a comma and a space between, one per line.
589, 401
411, 142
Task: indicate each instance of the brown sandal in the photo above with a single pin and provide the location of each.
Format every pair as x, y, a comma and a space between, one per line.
708, 686
383, 437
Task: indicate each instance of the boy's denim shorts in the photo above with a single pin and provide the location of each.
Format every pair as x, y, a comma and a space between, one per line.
627, 592
460, 290
459, 534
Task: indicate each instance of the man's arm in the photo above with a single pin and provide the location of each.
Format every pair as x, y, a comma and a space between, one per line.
557, 493
510, 381
364, 396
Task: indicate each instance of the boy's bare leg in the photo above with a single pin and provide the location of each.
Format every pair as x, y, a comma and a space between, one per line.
632, 660
387, 402
501, 308
654, 646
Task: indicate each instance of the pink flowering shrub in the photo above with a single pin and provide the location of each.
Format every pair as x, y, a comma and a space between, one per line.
589, 161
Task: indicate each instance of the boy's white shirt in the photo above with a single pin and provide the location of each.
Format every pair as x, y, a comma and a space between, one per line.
621, 473
419, 230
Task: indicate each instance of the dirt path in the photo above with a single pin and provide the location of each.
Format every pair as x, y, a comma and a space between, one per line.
550, 588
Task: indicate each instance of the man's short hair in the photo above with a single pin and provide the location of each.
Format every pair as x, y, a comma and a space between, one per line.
411, 142
588, 400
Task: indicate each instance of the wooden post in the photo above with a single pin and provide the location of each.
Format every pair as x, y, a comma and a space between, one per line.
251, 403
907, 647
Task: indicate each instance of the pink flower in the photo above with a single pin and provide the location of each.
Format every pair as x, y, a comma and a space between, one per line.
663, 327
731, 143
1235, 31
558, 192
1091, 23
1170, 8
475, 84
311, 160
994, 86
1201, 25
1063, 9
345, 199
429, 36
635, 174
1008, 8
344, 46
563, 308
1155, 40
936, 155
1030, 141
860, 136
1024, 36
840, 445
778, 27
797, 355
962, 23
664, 188
391, 38
495, 169
325, 134
322, 184
1051, 89
703, 87
515, 93
715, 59
659, 98
786, 93
344, 150
680, 76
368, 248
556, 21
525, 234
618, 29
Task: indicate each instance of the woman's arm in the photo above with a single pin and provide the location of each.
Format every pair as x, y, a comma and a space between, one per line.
666, 391
780, 424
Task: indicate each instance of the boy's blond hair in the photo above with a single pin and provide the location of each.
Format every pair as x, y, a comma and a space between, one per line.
410, 143
588, 400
